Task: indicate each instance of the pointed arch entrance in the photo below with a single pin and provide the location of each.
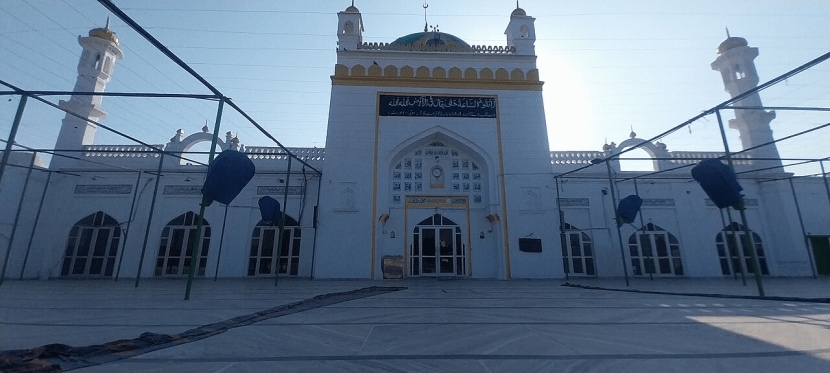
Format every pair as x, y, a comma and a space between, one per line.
92, 246
439, 166
731, 259
655, 251
173, 260
264, 254
438, 248
578, 253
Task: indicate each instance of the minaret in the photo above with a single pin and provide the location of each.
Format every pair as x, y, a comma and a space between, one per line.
349, 29
735, 63
521, 33
100, 51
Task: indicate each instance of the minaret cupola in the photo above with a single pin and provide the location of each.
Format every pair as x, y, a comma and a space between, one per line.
521, 33
349, 29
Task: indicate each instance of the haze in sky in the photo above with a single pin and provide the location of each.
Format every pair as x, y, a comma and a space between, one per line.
609, 67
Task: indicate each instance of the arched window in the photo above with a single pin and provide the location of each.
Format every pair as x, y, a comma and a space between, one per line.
437, 248
655, 251
173, 258
578, 252
108, 65
263, 260
92, 246
730, 258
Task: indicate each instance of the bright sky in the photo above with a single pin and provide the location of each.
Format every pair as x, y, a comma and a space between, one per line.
608, 66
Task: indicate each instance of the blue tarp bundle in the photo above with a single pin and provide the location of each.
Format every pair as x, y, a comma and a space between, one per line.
719, 183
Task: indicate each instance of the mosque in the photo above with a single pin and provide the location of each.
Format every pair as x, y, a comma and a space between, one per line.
437, 164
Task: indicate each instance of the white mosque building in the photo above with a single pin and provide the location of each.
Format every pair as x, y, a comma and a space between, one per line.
436, 163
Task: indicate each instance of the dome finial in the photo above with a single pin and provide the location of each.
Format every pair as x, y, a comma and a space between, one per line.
426, 5
632, 134
727, 33
105, 33
518, 11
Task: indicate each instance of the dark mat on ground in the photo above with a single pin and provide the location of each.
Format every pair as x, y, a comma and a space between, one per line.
60, 357
710, 295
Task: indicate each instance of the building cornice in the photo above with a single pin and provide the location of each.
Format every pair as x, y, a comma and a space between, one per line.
438, 77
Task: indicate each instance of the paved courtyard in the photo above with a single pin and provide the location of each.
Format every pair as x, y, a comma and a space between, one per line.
431, 325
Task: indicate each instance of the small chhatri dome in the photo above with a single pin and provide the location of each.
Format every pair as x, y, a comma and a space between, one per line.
518, 11
352, 8
731, 42
104, 33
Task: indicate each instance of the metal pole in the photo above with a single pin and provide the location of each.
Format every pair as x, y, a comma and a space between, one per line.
824, 177
314, 224
194, 247
17, 216
34, 226
740, 203
748, 241
194, 254
727, 252
616, 218
738, 247
803, 231
127, 231
12, 134
281, 225
149, 219
562, 240
643, 228
221, 240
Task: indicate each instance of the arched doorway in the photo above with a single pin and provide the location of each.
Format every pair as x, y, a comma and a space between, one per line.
92, 246
437, 248
173, 259
655, 251
264, 256
578, 253
730, 259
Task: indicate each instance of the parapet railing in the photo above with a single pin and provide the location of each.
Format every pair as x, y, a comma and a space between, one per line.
695, 157
122, 151
423, 47
574, 157
276, 153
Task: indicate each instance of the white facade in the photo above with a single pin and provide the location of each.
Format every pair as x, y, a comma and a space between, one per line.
436, 164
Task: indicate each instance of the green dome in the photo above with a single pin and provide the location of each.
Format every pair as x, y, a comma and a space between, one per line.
434, 39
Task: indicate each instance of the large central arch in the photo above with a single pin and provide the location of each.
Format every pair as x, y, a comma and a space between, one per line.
439, 162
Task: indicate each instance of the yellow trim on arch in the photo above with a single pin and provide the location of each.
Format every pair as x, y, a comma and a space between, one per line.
503, 194
375, 186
